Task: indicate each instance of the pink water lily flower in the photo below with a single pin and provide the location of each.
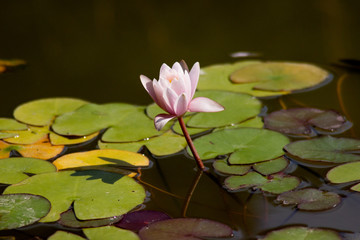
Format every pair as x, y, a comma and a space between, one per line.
174, 92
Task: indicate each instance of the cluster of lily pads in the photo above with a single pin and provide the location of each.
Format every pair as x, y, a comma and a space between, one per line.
96, 191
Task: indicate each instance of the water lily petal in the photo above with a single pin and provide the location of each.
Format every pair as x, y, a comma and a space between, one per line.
187, 83
177, 67
164, 68
159, 90
181, 105
194, 77
172, 98
203, 104
178, 86
161, 119
148, 85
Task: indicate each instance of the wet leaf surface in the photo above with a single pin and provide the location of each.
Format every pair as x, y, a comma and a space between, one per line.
42, 112
326, 149
280, 76
14, 170
310, 199
271, 166
96, 194
18, 210
344, 173
217, 77
165, 144
247, 145
68, 219
134, 221
275, 184
102, 157
306, 121
185, 228
302, 233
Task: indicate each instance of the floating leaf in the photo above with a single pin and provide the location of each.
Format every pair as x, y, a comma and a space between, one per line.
191, 130
61, 235
280, 76
306, 121
271, 166
302, 233
42, 150
344, 173
185, 228
247, 145
101, 157
42, 112
273, 184
14, 170
18, 210
6, 135
96, 194
134, 221
109, 232
68, 219
310, 199
11, 124
56, 139
238, 108
217, 77
326, 149
222, 166
165, 144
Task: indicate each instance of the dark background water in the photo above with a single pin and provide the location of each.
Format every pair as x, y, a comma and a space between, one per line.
97, 49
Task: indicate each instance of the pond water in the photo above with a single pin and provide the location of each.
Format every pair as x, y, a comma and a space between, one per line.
96, 50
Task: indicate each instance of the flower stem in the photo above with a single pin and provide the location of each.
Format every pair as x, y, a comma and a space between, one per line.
191, 144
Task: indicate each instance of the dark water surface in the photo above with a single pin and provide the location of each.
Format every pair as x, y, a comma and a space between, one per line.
96, 50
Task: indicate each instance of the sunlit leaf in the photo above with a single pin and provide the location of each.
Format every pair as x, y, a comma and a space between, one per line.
96, 194
7, 135
306, 121
326, 149
217, 77
101, 157
11, 124
42, 150
165, 144
344, 173
191, 130
31, 135
271, 166
310, 199
18, 210
109, 232
280, 76
42, 112
56, 139
68, 219
302, 233
276, 184
61, 235
14, 170
185, 228
134, 221
247, 145
238, 108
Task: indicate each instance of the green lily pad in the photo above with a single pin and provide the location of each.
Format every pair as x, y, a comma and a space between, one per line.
14, 170
96, 194
302, 233
222, 166
11, 124
61, 235
217, 77
185, 229
247, 145
310, 199
68, 219
165, 144
42, 112
191, 130
344, 173
306, 121
18, 210
326, 149
109, 232
275, 184
271, 166
31, 135
238, 108
280, 76
4, 135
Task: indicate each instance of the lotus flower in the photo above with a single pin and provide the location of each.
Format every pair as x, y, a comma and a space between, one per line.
174, 92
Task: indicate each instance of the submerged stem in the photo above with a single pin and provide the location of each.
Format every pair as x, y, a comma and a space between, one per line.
191, 144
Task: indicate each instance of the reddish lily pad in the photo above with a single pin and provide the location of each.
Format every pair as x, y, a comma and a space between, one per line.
185, 229
310, 199
325, 149
68, 219
306, 121
302, 233
134, 221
